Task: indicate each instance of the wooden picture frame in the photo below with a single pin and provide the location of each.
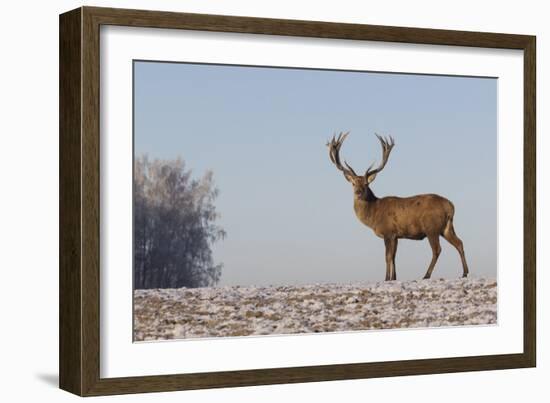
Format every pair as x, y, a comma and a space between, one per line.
79, 280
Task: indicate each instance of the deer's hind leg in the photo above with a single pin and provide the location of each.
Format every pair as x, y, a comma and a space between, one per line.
436, 250
451, 237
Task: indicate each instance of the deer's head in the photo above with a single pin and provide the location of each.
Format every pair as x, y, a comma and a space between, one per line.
360, 183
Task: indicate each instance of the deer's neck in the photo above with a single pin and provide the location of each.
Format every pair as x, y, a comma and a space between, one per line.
365, 207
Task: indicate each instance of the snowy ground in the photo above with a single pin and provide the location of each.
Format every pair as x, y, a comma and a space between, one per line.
243, 311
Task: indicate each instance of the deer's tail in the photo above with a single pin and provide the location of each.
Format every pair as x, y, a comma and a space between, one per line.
450, 213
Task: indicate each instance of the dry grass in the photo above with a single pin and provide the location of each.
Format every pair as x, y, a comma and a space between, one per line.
244, 311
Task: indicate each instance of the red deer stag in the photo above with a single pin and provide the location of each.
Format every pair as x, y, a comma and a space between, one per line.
392, 218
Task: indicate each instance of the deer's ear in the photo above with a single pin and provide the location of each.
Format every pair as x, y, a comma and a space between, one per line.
371, 178
348, 177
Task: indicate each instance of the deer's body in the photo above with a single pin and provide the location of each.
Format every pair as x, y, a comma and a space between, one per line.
393, 218
405, 217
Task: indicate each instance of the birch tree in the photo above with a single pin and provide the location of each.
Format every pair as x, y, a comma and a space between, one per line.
174, 226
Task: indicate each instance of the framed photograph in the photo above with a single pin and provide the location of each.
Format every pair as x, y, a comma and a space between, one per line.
249, 201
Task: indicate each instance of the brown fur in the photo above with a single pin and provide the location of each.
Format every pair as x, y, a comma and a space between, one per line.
393, 218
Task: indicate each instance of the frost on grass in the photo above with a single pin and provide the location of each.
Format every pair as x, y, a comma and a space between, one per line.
243, 311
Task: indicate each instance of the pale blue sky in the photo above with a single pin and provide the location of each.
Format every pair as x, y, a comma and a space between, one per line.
287, 211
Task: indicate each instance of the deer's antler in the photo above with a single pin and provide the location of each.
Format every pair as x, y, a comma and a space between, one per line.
334, 146
387, 146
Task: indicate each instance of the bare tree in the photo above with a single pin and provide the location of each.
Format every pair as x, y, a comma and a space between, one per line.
174, 226
392, 218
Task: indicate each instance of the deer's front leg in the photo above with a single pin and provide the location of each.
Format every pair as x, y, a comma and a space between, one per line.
391, 248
